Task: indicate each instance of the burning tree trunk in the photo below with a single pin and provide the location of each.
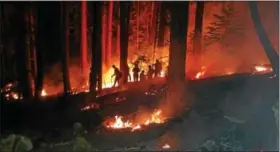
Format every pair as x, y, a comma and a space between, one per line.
96, 62
109, 37
198, 29
65, 46
162, 24
22, 55
84, 39
39, 50
268, 48
124, 27
177, 57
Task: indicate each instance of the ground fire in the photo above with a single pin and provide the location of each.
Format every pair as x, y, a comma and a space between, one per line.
119, 122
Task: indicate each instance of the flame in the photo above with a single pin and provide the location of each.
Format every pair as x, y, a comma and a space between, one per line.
44, 93
201, 73
119, 123
262, 69
166, 146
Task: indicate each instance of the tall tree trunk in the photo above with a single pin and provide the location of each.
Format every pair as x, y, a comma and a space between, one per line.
177, 56
1, 47
124, 27
28, 50
65, 46
162, 24
268, 48
22, 54
137, 26
109, 37
2, 66
32, 41
39, 49
152, 29
198, 30
156, 29
84, 45
96, 62
118, 32
104, 33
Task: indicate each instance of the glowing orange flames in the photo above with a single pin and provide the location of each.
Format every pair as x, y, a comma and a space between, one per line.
262, 69
201, 73
44, 93
118, 123
166, 146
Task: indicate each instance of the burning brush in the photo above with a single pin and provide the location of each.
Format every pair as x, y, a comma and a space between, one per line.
118, 122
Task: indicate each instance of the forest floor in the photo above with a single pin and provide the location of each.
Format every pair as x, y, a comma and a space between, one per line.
247, 98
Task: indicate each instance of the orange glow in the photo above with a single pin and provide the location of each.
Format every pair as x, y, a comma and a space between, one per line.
119, 123
201, 73
84, 38
44, 93
262, 69
166, 146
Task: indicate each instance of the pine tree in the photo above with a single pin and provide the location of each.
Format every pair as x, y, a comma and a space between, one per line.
226, 27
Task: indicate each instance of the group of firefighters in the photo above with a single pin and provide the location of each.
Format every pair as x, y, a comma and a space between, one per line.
154, 70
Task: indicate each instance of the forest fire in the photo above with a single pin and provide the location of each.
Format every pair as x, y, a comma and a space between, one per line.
261, 69
119, 123
166, 146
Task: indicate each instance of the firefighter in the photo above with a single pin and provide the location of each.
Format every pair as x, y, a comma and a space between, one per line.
158, 68
117, 74
150, 72
136, 71
142, 76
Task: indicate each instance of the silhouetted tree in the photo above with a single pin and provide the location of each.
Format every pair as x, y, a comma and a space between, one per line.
269, 50
162, 23
176, 71
124, 27
22, 55
96, 62
65, 46
39, 42
198, 27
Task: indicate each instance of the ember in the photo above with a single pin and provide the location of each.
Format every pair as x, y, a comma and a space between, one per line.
118, 123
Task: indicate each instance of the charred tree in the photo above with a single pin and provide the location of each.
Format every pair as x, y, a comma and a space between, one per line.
96, 62
268, 48
198, 28
39, 43
65, 39
176, 70
162, 24
22, 55
110, 31
124, 27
